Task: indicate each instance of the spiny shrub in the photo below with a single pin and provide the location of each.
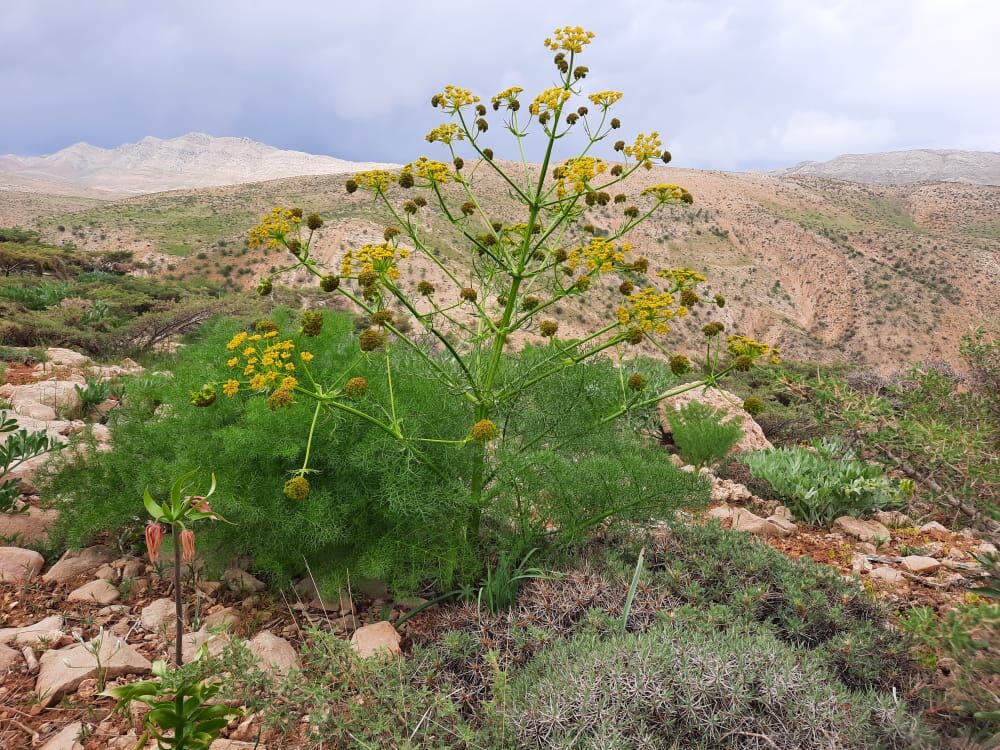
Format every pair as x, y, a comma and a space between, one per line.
682, 685
806, 604
701, 434
821, 484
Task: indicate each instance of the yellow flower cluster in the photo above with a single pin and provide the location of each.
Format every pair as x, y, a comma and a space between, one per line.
428, 169
453, 98
577, 173
649, 310
379, 259
743, 346
265, 362
683, 278
549, 100
506, 96
569, 38
669, 193
645, 148
599, 254
446, 133
377, 180
274, 227
605, 98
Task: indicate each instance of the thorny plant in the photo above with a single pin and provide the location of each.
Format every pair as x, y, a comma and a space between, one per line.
513, 278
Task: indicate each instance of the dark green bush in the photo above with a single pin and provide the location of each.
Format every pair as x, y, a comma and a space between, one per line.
683, 685
701, 434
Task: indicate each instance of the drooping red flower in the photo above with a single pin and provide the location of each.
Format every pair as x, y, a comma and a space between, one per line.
200, 504
154, 538
188, 551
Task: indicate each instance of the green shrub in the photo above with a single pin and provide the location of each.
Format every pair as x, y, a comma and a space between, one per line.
368, 507
821, 484
95, 392
701, 434
684, 685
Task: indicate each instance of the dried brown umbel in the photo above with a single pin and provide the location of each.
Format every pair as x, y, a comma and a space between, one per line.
314, 222
329, 283
371, 339
548, 328
468, 294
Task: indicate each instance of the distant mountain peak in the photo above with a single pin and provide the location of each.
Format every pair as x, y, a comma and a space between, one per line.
192, 160
903, 167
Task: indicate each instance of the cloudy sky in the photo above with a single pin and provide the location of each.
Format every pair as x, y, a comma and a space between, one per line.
731, 84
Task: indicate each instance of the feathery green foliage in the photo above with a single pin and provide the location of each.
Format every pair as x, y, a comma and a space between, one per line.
702, 435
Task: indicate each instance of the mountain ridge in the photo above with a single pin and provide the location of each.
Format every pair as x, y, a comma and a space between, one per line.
190, 161
906, 167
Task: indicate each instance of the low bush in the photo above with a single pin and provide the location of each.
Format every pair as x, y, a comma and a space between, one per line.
821, 484
683, 685
701, 434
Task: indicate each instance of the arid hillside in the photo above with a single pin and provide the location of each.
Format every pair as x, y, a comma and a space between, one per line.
826, 270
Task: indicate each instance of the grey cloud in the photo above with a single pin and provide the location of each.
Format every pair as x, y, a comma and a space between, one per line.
731, 85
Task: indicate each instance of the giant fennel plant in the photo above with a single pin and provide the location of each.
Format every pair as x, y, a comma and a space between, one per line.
511, 279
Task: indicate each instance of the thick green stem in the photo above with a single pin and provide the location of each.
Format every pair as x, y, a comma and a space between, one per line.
178, 598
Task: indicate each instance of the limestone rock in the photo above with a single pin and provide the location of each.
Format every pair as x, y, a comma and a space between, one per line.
274, 655
892, 519
158, 615
921, 565
30, 527
9, 659
227, 616
887, 575
58, 395
214, 643
223, 744
786, 525
78, 562
18, 565
380, 637
860, 564
744, 520
936, 531
95, 592
239, 581
30, 634
732, 405
67, 739
65, 357
865, 531
726, 491
720, 512
62, 670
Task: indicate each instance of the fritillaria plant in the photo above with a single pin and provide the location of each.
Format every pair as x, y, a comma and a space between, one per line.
179, 512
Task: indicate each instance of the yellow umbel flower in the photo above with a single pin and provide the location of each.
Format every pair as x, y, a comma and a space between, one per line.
453, 98
683, 278
648, 310
597, 255
274, 227
376, 180
605, 99
428, 169
306, 356
569, 38
507, 96
231, 387
577, 174
666, 193
380, 259
645, 148
236, 340
446, 133
549, 100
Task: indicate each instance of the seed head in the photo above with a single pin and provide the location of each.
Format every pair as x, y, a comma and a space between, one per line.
621, 198
571, 118
480, 109
743, 362
530, 302
468, 294
314, 222
616, 170
666, 157
382, 317
637, 382
634, 336
679, 364
689, 298
297, 488
720, 300
619, 145
488, 153
713, 329
265, 326
367, 278
421, 201
580, 71
548, 328
311, 322
389, 233
616, 123
426, 288
484, 431
371, 339
468, 208
753, 406
640, 265
356, 388
459, 163
626, 287
351, 185
406, 180
329, 283
264, 287
410, 207
280, 399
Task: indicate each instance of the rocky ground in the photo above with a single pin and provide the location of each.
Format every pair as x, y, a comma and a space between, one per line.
95, 611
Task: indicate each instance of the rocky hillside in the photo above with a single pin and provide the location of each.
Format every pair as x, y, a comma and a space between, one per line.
904, 167
827, 270
190, 161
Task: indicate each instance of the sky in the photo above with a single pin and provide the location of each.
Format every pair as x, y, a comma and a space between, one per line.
729, 84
